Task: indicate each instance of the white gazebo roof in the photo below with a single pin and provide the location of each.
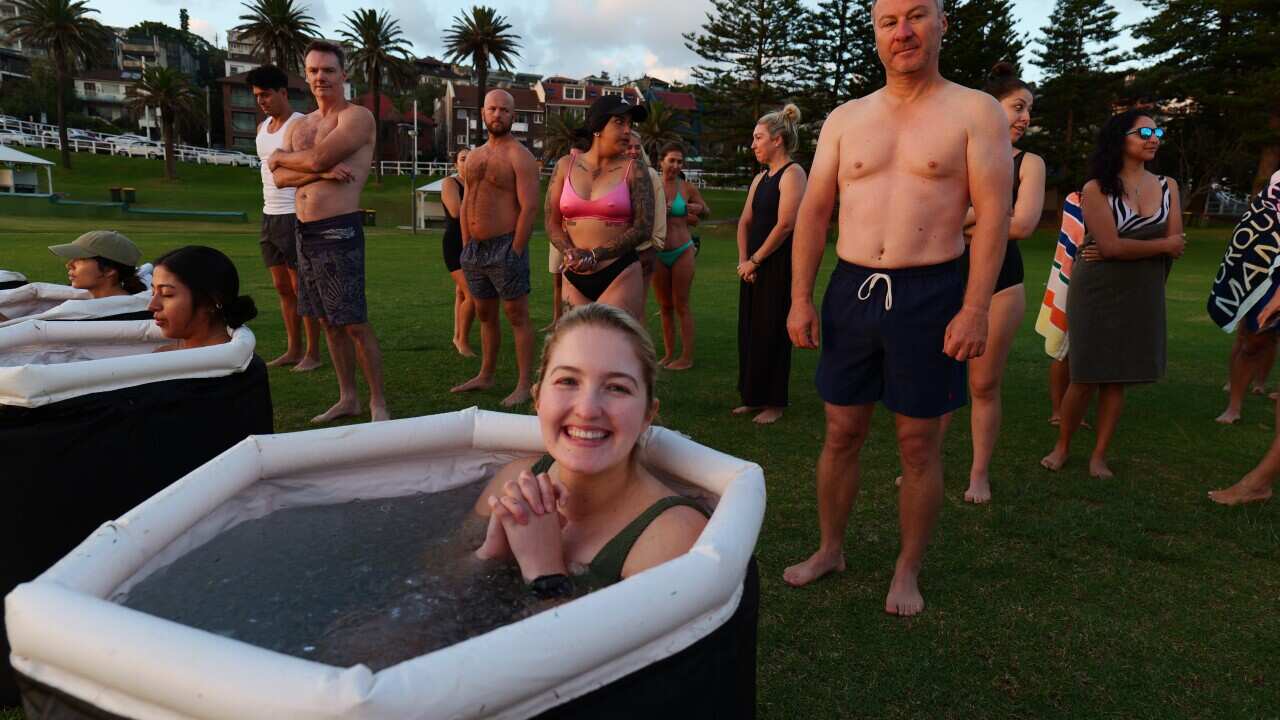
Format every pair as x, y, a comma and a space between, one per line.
434, 187
9, 155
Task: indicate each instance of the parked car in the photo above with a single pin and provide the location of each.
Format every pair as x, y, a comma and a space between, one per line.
227, 157
143, 148
13, 137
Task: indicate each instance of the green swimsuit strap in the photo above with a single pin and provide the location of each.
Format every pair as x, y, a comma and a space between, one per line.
606, 567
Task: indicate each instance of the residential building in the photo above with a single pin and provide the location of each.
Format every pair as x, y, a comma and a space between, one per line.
240, 57
506, 79
432, 71
138, 51
15, 57
568, 97
105, 92
684, 103
241, 116
397, 143
459, 118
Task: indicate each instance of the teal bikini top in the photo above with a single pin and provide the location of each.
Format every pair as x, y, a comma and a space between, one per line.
678, 206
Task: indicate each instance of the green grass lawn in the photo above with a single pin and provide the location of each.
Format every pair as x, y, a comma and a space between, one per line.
1066, 597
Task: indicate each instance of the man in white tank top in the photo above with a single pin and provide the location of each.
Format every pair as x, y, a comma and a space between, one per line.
278, 241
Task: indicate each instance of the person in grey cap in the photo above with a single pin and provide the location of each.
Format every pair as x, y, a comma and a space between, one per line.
104, 262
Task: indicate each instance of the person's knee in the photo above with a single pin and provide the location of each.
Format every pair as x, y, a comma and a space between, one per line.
1255, 347
846, 434
984, 389
283, 285
487, 311
919, 451
517, 314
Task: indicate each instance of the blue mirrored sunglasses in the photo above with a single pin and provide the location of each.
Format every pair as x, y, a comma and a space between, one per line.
1146, 133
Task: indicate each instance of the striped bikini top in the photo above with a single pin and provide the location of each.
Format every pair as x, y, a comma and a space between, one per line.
1128, 221
613, 206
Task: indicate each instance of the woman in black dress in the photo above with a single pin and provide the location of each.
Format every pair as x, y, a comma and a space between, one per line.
452, 191
764, 264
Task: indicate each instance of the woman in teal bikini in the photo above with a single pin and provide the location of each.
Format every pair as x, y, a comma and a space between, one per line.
673, 277
586, 514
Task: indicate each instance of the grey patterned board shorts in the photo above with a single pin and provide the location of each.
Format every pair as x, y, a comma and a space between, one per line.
493, 269
331, 270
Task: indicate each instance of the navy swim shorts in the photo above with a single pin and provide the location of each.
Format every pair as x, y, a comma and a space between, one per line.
882, 334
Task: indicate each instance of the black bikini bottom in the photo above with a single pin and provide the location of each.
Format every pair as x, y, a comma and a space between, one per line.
594, 284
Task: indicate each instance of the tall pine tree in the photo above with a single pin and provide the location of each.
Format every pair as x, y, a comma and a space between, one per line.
840, 53
980, 34
1078, 57
750, 51
1215, 71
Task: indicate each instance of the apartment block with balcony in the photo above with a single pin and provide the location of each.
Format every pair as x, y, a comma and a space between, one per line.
570, 98
460, 119
105, 92
241, 116
15, 58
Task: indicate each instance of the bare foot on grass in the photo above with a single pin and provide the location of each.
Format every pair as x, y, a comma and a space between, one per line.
519, 396
1228, 417
1258, 389
285, 359
463, 348
1098, 469
378, 413
662, 362
681, 364
479, 382
818, 565
1055, 420
306, 365
979, 492
1054, 460
904, 599
768, 417
744, 409
340, 409
1251, 488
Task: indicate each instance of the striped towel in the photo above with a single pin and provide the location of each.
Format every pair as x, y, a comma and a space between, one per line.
1052, 320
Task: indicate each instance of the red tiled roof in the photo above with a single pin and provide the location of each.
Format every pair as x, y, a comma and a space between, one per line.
389, 112
676, 100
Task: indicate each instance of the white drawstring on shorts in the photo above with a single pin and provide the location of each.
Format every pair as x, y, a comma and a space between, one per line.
868, 285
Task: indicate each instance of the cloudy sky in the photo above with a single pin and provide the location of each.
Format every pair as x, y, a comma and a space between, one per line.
560, 37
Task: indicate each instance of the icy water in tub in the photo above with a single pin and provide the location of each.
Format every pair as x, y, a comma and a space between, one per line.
376, 582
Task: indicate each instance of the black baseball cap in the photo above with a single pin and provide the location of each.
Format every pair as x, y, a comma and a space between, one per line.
608, 106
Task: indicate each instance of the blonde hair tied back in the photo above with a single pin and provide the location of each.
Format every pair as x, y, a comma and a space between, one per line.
783, 123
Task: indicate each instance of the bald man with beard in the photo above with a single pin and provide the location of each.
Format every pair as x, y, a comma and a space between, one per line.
898, 320
497, 219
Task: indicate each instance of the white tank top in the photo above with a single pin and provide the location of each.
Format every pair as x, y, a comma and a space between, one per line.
275, 201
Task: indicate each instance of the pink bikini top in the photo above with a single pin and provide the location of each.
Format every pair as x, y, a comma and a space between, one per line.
613, 206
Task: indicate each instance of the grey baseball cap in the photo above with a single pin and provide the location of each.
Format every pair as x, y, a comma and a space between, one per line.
100, 243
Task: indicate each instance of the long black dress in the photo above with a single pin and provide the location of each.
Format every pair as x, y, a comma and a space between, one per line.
764, 349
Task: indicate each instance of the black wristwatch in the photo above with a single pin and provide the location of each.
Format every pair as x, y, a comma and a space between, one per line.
552, 586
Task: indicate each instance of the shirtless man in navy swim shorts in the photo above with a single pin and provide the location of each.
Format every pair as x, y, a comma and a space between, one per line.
327, 155
898, 320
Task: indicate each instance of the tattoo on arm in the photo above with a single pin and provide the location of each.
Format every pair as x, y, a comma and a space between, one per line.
551, 211
641, 218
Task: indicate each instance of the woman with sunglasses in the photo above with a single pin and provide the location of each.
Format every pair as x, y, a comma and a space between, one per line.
1133, 223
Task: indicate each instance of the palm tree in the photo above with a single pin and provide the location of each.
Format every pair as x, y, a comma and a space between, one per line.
278, 30
663, 125
482, 37
72, 39
379, 45
170, 91
562, 134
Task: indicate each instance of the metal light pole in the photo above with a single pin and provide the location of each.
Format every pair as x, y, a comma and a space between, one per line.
413, 173
208, 114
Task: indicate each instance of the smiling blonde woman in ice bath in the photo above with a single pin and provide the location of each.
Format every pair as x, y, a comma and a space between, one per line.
587, 513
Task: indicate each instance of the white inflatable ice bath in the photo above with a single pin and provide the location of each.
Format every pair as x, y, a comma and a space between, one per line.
46, 361
68, 636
